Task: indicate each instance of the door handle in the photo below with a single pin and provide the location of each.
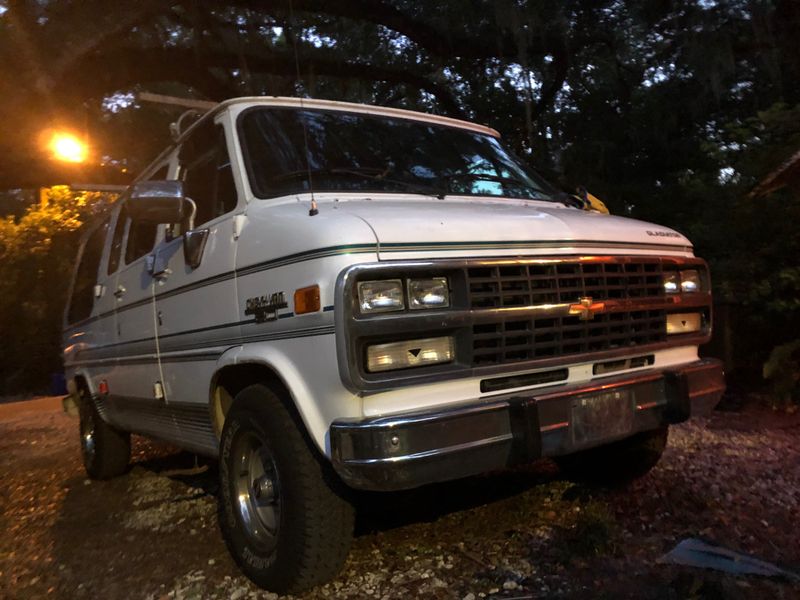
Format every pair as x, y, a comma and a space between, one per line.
119, 292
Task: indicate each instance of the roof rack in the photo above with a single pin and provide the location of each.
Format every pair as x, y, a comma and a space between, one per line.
196, 108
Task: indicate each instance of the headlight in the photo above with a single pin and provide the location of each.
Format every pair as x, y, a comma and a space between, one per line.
687, 281
690, 281
428, 293
672, 282
380, 296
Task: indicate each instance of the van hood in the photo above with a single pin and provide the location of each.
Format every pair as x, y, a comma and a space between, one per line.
474, 225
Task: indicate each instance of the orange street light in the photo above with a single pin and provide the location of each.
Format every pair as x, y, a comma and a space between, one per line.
67, 147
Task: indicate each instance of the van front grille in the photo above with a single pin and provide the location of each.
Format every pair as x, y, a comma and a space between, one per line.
506, 286
518, 316
521, 340
511, 340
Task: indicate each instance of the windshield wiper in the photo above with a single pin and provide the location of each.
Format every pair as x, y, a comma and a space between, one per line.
500, 179
370, 173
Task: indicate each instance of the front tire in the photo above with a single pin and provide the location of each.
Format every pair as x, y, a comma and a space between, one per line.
106, 450
617, 463
282, 510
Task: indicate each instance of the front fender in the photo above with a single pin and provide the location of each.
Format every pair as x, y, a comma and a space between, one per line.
311, 378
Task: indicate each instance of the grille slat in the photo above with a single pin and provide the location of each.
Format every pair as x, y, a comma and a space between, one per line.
511, 340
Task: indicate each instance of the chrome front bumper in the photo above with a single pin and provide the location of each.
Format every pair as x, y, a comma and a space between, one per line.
408, 450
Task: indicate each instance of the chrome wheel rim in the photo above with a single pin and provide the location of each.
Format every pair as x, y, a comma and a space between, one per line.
257, 490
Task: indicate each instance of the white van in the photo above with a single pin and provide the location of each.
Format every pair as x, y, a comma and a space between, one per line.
332, 296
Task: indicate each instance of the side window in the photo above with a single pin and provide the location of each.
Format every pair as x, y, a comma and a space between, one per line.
141, 236
207, 173
160, 174
116, 241
82, 300
141, 239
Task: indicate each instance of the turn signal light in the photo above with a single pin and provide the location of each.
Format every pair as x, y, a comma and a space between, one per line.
306, 300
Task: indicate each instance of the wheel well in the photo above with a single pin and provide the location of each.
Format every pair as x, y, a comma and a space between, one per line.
78, 389
230, 380
81, 388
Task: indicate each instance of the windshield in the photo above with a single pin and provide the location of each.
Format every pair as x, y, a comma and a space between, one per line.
366, 153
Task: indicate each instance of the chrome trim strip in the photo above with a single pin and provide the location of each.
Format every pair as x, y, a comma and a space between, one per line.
436, 452
488, 315
708, 390
146, 359
110, 352
526, 245
418, 418
608, 384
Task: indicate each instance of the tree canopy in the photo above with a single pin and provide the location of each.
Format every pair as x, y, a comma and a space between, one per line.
595, 90
670, 111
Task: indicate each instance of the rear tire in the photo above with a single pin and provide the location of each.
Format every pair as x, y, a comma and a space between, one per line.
106, 450
282, 510
617, 463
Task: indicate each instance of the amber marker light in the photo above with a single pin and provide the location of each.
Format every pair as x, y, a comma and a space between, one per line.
66, 147
306, 300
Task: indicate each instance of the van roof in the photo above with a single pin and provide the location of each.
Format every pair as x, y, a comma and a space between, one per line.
399, 113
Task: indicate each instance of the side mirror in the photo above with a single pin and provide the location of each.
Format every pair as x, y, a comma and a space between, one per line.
157, 202
194, 242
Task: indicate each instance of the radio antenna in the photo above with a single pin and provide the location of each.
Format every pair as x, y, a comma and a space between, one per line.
299, 82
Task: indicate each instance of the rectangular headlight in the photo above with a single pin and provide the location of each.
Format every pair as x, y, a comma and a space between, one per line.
690, 281
409, 353
380, 296
428, 293
672, 282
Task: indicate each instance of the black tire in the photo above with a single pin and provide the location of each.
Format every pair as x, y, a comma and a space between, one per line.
617, 463
106, 450
282, 510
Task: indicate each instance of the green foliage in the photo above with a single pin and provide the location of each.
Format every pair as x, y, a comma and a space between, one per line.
37, 253
752, 243
782, 369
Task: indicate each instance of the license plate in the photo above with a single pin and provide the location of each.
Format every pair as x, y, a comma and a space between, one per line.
602, 415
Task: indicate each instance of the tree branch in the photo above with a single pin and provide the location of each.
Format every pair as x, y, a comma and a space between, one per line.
113, 70
555, 82
103, 25
441, 42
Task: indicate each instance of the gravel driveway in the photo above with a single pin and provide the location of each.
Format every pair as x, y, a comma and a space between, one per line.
733, 479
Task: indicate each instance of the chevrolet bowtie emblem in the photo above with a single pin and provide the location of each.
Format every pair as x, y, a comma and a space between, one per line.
586, 308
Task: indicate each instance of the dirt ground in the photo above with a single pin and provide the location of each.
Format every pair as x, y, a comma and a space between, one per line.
733, 479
